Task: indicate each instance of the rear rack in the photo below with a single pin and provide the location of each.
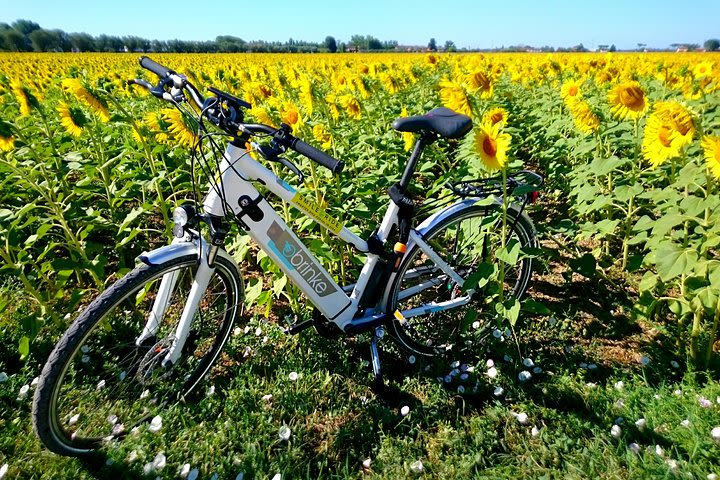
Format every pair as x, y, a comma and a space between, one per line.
524, 184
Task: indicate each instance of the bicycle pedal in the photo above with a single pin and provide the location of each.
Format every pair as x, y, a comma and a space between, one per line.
298, 327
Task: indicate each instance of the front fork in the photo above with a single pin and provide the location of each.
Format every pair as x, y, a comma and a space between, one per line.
205, 271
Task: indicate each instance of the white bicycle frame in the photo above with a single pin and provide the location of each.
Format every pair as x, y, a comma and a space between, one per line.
237, 170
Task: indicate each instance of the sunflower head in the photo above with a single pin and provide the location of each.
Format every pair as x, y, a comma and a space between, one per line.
703, 69
711, 147
7, 141
570, 91
25, 98
322, 136
496, 116
586, 120
628, 100
72, 119
491, 145
661, 142
454, 96
481, 82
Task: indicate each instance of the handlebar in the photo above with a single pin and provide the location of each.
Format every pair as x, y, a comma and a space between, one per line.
159, 70
334, 165
178, 83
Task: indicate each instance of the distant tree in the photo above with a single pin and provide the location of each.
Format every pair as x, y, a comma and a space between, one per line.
432, 46
373, 43
612, 48
25, 26
450, 46
331, 44
641, 46
358, 42
45, 40
712, 45
14, 41
82, 42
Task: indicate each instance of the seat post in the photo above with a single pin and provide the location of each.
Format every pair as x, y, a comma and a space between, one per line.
425, 139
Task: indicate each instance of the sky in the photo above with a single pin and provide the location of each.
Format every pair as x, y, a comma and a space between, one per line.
468, 23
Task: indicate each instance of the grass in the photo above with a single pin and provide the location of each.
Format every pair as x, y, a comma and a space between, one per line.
337, 421
598, 368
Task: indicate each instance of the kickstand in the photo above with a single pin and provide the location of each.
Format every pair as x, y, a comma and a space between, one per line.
378, 383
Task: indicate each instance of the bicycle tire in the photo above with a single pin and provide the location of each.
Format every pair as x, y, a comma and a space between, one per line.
431, 334
73, 415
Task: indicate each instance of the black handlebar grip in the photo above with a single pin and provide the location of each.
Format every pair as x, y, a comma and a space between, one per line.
155, 67
334, 165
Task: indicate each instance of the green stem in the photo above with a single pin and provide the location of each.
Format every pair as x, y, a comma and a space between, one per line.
713, 335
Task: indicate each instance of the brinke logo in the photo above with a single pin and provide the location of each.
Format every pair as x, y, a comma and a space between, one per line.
297, 259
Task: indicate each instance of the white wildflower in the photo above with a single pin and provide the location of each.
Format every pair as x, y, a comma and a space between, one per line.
537, 370
237, 331
293, 376
619, 385
210, 391
522, 418
3, 470
492, 372
712, 476
23, 392
112, 419
685, 423
34, 382
498, 392
715, 434
3, 377
74, 419
100, 385
267, 397
672, 463
534, 431
184, 471
404, 410
277, 477
659, 451
132, 456
524, 376
159, 461
635, 448
591, 385
528, 362
411, 359
284, 433
155, 424
678, 393
640, 424
490, 363
476, 325
258, 331
366, 463
616, 431
417, 467
704, 402
497, 333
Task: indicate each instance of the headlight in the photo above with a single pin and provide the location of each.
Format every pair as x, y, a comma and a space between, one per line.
180, 216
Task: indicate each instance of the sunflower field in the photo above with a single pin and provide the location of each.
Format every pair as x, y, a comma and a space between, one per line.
629, 144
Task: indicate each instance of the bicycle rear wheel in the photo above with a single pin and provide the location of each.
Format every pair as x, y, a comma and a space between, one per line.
466, 241
98, 384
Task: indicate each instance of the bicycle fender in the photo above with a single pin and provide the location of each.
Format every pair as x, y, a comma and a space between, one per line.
179, 248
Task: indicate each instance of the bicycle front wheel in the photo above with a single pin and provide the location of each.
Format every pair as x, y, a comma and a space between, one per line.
103, 379
466, 241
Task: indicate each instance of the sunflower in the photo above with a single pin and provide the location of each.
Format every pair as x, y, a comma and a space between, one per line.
570, 91
676, 117
181, 131
331, 102
72, 118
454, 96
628, 100
306, 94
495, 116
481, 83
261, 115
75, 87
661, 141
586, 120
7, 141
158, 126
26, 100
492, 146
391, 83
290, 115
711, 146
322, 136
351, 105
703, 69
408, 137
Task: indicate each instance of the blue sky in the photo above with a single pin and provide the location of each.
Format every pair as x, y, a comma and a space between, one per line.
478, 23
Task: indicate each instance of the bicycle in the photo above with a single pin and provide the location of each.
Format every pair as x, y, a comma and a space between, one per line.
148, 340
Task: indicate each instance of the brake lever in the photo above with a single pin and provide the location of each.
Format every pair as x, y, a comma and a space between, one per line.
141, 82
287, 163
